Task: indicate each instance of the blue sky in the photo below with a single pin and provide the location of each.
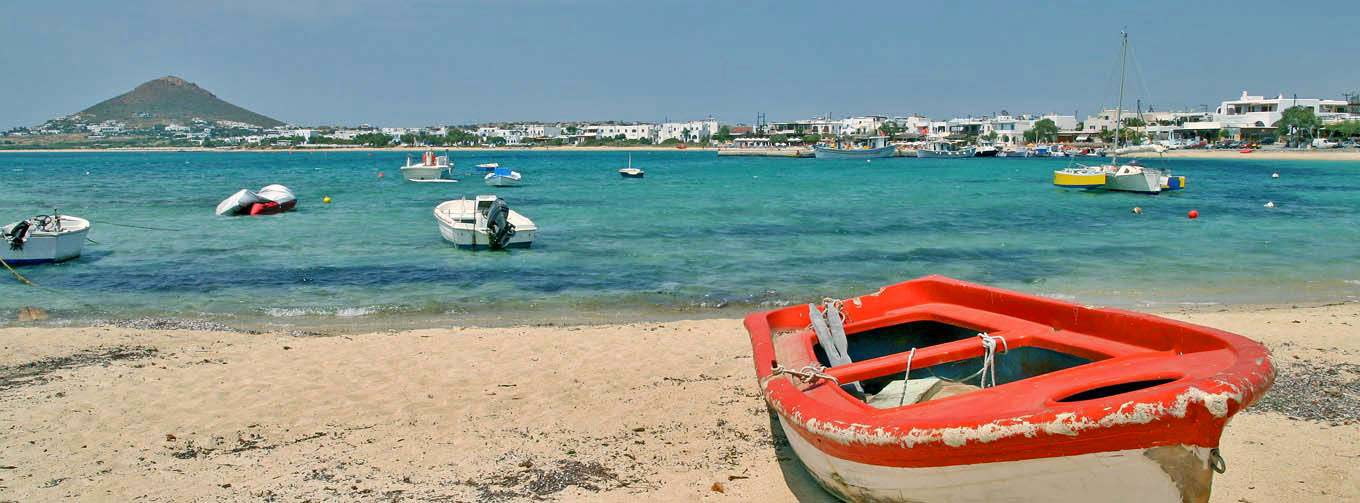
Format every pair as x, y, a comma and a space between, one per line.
416, 63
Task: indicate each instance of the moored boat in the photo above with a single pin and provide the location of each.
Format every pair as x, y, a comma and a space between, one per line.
503, 177
944, 149
431, 168
630, 171
1131, 177
484, 222
269, 200
869, 148
43, 239
941, 390
489, 166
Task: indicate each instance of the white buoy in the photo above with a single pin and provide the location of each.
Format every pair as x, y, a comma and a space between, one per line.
1274, 175
1270, 204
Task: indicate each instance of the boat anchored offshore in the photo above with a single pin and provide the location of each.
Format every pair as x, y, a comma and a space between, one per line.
269, 200
503, 177
490, 166
42, 239
868, 148
484, 222
940, 390
630, 171
432, 168
1130, 177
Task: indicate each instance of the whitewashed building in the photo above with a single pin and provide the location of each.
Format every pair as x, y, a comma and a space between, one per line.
692, 131
1257, 112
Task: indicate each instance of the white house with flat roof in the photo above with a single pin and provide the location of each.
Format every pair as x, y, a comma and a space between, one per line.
628, 131
1256, 112
696, 130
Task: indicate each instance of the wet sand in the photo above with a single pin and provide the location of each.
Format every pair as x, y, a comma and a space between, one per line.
663, 412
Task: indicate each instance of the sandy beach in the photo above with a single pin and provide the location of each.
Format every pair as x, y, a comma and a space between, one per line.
665, 412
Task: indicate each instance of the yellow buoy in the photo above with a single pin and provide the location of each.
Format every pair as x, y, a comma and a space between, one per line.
326, 200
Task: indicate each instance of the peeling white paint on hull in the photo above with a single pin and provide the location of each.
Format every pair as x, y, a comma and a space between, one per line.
1170, 474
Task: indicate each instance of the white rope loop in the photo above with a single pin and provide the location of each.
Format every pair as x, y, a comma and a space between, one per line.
989, 357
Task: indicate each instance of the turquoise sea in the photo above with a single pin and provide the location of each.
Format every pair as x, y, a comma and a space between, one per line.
700, 236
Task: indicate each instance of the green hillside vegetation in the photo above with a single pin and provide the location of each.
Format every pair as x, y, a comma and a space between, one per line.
170, 100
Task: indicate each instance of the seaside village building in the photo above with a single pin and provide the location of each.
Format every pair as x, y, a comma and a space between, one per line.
1253, 116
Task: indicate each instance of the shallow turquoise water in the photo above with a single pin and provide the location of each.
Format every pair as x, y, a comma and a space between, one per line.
700, 235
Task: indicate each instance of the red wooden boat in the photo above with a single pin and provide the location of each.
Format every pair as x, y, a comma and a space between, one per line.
1084, 404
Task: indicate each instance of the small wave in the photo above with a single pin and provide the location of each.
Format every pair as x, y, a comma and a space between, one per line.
344, 312
353, 312
288, 312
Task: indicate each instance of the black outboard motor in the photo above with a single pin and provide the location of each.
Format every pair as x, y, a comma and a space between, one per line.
18, 234
498, 226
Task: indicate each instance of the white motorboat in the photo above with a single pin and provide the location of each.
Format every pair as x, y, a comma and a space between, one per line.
490, 166
432, 168
269, 200
43, 239
944, 149
630, 171
503, 177
484, 222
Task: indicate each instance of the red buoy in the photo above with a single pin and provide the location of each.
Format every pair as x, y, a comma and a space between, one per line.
1193, 214
380, 174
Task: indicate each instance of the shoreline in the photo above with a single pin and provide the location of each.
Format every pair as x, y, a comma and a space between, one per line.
1335, 155
620, 412
321, 323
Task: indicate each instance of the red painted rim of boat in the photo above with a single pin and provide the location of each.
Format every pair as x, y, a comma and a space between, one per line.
1216, 374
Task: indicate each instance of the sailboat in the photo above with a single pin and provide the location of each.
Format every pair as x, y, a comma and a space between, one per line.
1130, 177
630, 171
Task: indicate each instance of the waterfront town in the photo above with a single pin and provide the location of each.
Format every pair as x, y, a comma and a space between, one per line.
1243, 119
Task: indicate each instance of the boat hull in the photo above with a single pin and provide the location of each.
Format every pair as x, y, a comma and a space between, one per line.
1167, 473
943, 154
1127, 404
478, 240
1076, 180
46, 248
821, 152
420, 173
1147, 182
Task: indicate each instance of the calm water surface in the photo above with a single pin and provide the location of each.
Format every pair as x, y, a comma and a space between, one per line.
700, 236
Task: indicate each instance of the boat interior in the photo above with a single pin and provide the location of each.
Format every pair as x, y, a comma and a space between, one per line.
1045, 352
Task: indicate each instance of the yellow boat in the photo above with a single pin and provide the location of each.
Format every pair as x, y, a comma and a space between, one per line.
1079, 178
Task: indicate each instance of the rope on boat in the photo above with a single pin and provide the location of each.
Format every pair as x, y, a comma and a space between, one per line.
905, 378
16, 274
136, 226
806, 374
989, 357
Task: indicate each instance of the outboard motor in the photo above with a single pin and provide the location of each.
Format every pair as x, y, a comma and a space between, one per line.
17, 234
498, 226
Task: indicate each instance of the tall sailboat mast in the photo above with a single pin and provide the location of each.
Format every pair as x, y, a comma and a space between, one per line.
1119, 106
